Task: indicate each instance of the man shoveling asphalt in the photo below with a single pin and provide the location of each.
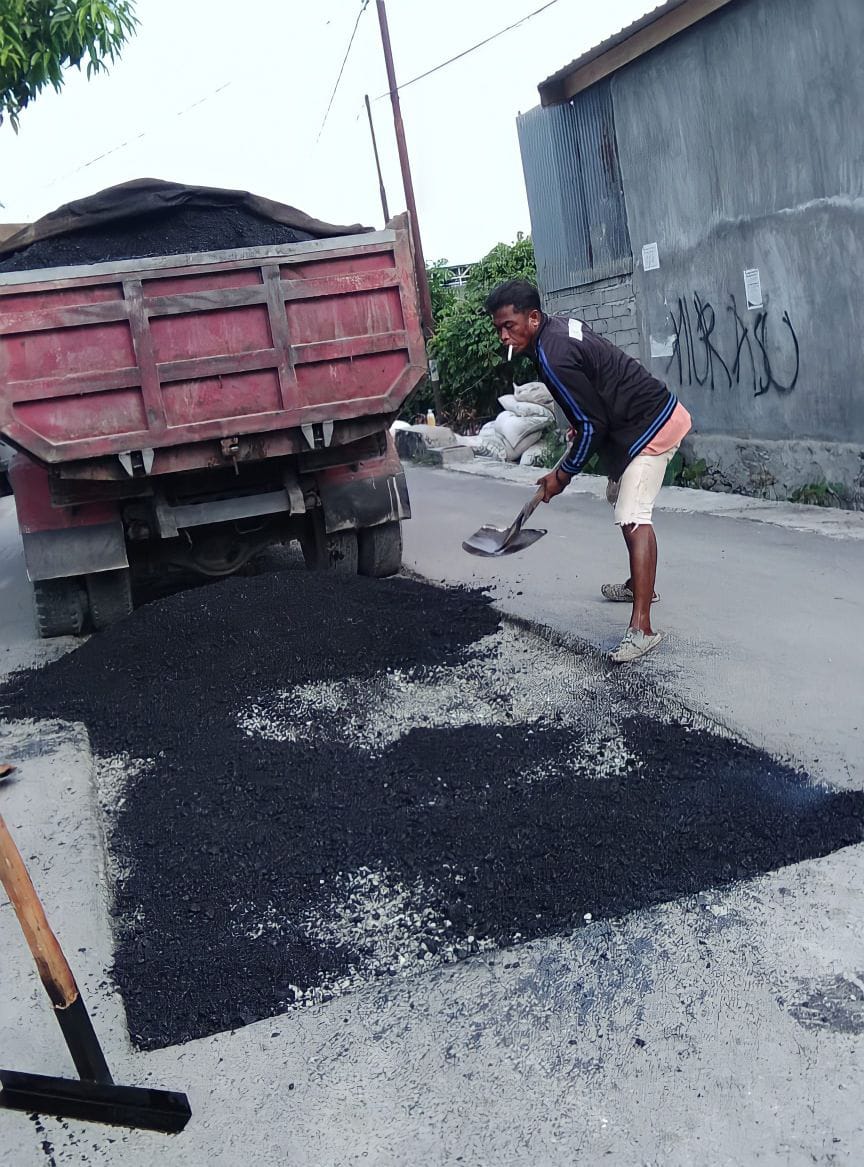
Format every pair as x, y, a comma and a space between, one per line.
616, 408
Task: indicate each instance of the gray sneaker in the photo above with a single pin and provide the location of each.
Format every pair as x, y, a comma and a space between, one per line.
634, 645
621, 594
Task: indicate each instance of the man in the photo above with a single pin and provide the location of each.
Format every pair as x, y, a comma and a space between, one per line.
616, 408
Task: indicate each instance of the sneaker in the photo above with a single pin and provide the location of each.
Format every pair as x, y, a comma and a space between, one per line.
634, 645
621, 594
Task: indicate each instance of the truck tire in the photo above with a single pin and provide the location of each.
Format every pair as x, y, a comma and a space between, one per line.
110, 594
323, 552
380, 549
61, 607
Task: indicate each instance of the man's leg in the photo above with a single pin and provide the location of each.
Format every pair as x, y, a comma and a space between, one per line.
622, 593
640, 485
642, 549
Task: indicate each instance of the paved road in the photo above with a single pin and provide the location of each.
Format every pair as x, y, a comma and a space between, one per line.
764, 620
724, 1028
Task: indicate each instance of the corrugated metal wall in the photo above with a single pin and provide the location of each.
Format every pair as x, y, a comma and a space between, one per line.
578, 217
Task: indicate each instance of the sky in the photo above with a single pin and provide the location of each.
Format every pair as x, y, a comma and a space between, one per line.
235, 94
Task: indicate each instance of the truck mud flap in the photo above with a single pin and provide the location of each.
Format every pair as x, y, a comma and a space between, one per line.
74, 551
364, 502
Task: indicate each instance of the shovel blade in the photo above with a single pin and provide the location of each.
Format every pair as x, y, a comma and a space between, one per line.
490, 541
132, 1106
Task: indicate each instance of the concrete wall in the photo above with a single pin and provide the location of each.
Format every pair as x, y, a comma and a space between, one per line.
608, 306
741, 145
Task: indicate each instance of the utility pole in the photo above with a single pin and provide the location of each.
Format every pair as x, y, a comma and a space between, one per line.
381, 189
419, 261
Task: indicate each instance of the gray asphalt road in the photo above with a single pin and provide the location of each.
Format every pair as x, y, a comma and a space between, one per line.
763, 620
724, 1028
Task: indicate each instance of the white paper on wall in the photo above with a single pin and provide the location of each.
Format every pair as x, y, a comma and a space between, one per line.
663, 346
753, 287
650, 257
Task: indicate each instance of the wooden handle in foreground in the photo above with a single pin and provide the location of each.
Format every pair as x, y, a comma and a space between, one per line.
54, 971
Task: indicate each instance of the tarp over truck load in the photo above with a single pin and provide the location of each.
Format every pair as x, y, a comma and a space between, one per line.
272, 348
150, 217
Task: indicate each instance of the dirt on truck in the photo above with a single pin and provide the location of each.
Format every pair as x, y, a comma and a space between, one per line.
188, 375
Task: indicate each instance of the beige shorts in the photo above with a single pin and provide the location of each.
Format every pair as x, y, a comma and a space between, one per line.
633, 497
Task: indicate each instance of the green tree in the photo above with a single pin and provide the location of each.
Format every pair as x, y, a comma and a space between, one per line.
442, 297
39, 39
471, 362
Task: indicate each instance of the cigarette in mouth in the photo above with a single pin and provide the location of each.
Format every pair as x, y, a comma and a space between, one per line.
510, 352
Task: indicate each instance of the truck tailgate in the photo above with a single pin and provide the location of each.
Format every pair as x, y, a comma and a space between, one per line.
155, 353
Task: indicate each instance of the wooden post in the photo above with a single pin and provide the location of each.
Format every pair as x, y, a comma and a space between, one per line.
419, 261
381, 189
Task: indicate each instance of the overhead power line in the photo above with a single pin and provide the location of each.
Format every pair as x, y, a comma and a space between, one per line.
363, 8
179, 113
473, 48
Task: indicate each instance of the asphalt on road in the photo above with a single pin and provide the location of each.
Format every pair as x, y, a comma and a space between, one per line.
760, 616
717, 1027
286, 804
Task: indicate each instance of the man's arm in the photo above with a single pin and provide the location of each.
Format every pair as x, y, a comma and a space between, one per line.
554, 482
581, 440
563, 368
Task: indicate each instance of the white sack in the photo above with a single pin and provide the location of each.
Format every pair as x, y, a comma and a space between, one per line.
519, 432
493, 446
534, 455
534, 391
512, 404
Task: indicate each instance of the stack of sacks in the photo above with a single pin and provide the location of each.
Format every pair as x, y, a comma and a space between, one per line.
516, 434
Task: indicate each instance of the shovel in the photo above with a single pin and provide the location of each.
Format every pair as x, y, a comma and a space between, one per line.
507, 540
94, 1097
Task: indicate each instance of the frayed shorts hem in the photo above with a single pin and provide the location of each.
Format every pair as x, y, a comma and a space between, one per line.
634, 495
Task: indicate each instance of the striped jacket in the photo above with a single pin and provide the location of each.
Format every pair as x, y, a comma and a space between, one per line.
613, 403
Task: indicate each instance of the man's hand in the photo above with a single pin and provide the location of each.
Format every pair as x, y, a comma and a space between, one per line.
553, 483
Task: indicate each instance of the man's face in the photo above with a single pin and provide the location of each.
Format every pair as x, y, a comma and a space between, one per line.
517, 328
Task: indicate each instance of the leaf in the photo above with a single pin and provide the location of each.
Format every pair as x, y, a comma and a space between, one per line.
39, 40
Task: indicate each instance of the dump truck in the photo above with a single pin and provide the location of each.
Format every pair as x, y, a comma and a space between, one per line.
183, 412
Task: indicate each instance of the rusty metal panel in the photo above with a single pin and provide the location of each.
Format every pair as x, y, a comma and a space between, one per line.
155, 354
575, 194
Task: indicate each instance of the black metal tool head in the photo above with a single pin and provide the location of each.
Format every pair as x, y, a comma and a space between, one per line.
132, 1106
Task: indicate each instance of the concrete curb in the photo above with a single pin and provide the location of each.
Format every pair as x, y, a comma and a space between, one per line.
827, 521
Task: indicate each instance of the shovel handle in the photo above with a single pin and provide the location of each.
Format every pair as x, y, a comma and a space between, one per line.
532, 504
54, 970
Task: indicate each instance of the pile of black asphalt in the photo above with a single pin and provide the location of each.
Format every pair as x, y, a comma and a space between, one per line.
174, 231
221, 818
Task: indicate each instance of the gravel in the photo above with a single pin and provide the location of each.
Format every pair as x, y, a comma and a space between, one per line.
312, 782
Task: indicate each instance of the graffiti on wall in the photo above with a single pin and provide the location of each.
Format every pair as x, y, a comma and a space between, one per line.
760, 353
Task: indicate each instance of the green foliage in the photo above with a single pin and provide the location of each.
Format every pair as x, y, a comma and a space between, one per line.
471, 362
41, 38
674, 470
553, 448
819, 494
691, 474
443, 298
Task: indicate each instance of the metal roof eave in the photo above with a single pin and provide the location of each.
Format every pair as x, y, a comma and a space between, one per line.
645, 34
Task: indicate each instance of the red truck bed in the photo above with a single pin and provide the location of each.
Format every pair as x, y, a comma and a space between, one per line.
176, 354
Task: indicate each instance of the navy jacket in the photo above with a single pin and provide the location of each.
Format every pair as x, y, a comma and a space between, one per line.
613, 403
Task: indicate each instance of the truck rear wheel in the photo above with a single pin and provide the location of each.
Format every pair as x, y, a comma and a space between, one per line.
110, 594
61, 606
335, 552
380, 549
